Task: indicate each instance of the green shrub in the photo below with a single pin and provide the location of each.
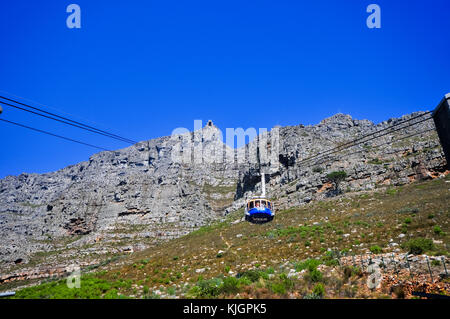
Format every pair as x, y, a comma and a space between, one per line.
419, 245
91, 287
309, 264
244, 281
282, 284
331, 262
206, 288
171, 291
254, 275
391, 191
404, 228
408, 220
315, 275
230, 285
437, 230
111, 294
376, 249
319, 289
336, 178
317, 169
278, 288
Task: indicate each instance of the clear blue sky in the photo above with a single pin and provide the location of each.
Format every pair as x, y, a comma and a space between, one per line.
143, 68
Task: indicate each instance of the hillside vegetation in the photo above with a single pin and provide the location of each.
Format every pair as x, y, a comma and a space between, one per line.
313, 251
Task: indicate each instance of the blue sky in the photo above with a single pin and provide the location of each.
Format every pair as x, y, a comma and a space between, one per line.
142, 68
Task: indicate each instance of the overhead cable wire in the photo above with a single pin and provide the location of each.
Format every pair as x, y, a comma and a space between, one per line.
340, 147
52, 134
61, 121
361, 139
66, 120
376, 146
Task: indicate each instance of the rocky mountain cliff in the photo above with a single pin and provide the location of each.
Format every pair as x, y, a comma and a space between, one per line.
130, 199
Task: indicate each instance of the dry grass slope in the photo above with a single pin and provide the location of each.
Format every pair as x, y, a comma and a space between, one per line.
265, 260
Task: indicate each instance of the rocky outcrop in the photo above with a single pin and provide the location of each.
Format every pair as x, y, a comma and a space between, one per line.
397, 157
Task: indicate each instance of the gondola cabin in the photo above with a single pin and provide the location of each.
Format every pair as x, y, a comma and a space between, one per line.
259, 210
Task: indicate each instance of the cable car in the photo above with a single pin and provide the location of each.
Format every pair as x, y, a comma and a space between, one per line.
259, 209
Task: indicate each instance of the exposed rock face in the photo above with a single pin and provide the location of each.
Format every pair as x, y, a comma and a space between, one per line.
395, 158
127, 199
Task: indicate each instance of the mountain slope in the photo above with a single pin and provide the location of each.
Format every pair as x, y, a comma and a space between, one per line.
131, 199
272, 260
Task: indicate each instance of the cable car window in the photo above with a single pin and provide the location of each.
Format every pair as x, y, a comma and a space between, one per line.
251, 204
269, 205
257, 203
264, 203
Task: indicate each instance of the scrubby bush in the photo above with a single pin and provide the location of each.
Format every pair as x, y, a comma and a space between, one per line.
230, 285
391, 191
278, 288
319, 289
206, 288
309, 264
315, 275
418, 246
317, 169
91, 287
254, 275
437, 230
282, 284
171, 291
376, 249
145, 261
336, 178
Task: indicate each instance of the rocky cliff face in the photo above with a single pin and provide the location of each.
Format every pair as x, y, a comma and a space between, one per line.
135, 197
399, 156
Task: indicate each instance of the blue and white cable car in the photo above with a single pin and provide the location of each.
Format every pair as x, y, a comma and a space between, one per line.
259, 209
